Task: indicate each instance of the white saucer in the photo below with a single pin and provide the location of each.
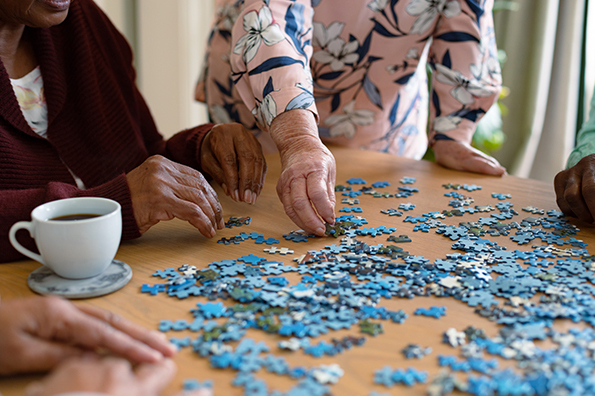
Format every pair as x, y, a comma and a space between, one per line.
44, 281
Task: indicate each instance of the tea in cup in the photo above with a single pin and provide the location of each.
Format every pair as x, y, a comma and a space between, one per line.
77, 238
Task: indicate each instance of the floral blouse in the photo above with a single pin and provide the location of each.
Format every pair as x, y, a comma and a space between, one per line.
360, 65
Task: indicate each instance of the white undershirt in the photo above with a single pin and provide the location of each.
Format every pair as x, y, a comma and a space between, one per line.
31, 97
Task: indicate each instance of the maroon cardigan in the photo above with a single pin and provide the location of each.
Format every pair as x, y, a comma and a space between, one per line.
98, 124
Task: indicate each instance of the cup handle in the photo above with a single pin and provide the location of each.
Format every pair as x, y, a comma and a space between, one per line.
28, 225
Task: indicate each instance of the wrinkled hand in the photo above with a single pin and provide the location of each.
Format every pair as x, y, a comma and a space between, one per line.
109, 375
575, 189
39, 332
306, 186
461, 156
234, 158
161, 189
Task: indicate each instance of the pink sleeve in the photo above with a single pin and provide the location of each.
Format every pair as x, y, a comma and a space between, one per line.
270, 57
466, 79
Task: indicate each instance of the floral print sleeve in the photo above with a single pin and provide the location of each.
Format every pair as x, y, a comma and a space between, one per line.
359, 65
466, 78
270, 57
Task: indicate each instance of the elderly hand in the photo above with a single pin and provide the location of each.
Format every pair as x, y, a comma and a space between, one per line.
461, 156
306, 186
575, 189
162, 189
108, 375
234, 158
39, 332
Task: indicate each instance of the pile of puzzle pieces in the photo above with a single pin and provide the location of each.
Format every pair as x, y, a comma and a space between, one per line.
342, 287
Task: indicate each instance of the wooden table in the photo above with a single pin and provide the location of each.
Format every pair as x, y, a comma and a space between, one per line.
173, 243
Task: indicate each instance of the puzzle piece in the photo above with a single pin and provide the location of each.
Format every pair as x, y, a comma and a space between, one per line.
166, 273
398, 239
407, 206
356, 180
269, 241
297, 236
237, 221
282, 251
415, 351
501, 197
370, 328
434, 311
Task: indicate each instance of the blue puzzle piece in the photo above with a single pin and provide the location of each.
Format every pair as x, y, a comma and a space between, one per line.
434, 311
356, 180
166, 273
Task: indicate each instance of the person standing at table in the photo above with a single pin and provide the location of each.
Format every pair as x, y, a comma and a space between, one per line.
575, 186
73, 123
39, 334
352, 73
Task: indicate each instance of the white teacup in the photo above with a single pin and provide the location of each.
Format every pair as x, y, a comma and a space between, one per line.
74, 249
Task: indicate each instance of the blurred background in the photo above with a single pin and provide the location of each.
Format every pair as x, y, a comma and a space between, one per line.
547, 52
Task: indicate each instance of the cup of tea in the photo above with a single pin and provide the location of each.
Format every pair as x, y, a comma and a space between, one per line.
77, 238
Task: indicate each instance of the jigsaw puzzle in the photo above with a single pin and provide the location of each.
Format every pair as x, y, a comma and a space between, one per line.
548, 278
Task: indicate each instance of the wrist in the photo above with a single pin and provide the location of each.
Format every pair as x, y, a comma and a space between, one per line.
439, 137
295, 129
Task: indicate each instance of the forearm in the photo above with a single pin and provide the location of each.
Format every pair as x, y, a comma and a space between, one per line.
466, 81
273, 77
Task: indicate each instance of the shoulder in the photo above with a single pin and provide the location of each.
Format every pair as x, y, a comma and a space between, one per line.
93, 28
86, 15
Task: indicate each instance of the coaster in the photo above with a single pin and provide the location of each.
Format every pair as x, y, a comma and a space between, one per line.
44, 281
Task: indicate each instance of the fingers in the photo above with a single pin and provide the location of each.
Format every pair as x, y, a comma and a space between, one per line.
485, 166
575, 189
461, 156
571, 195
153, 378
153, 339
234, 158
38, 355
107, 375
161, 190
561, 181
64, 322
318, 193
201, 208
298, 208
252, 167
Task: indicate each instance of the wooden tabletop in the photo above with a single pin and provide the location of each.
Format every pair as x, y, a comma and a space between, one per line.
173, 243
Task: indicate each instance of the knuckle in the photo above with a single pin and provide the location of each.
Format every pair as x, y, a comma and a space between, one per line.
55, 306
112, 319
229, 159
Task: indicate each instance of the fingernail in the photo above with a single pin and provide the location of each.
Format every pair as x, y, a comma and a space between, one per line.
224, 187
213, 232
319, 231
254, 197
236, 195
247, 196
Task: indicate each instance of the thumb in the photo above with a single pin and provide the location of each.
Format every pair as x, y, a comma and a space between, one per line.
155, 377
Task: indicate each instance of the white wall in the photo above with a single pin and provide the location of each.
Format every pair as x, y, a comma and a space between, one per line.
169, 40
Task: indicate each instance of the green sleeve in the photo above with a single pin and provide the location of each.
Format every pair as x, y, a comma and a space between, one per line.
585, 140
